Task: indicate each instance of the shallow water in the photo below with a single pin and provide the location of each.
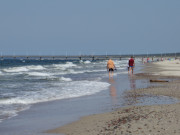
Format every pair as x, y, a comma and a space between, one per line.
27, 82
54, 93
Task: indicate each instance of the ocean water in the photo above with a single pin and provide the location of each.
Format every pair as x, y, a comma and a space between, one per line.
27, 82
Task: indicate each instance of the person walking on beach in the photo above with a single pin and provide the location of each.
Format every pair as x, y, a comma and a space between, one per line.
131, 64
110, 67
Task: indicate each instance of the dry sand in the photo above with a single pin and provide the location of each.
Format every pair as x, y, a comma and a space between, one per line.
137, 120
164, 68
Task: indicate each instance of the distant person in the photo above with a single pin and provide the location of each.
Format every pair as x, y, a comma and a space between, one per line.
162, 59
148, 60
144, 60
131, 64
110, 67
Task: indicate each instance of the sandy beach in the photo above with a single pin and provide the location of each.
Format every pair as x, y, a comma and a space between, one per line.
89, 67
138, 120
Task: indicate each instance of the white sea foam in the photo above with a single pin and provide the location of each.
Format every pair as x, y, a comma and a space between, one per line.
65, 79
23, 69
87, 62
8, 114
10, 111
97, 70
16, 69
59, 91
38, 74
81, 61
70, 71
33, 67
64, 66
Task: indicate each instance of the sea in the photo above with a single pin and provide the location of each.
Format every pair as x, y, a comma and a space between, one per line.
27, 82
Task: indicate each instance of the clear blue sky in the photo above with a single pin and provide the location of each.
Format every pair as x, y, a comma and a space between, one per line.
55, 27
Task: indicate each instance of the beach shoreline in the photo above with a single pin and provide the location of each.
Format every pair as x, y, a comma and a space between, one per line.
49, 115
153, 119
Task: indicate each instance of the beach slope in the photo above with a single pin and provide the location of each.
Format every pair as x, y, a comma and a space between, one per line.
137, 120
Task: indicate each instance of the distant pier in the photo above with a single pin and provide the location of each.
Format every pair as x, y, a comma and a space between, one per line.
81, 57
84, 57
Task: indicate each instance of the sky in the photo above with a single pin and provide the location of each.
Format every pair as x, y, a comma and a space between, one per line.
89, 27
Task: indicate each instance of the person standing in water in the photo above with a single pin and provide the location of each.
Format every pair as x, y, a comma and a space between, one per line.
110, 67
131, 64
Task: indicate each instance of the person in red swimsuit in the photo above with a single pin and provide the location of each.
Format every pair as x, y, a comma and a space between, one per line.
131, 64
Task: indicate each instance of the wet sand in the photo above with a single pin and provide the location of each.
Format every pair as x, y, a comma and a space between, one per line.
137, 120
49, 115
